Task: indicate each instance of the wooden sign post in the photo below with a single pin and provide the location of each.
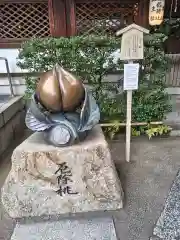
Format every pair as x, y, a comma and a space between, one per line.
132, 48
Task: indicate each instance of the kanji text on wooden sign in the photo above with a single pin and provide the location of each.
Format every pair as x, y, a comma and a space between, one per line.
132, 47
156, 12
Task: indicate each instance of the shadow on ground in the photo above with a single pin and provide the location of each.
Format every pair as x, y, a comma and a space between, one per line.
146, 181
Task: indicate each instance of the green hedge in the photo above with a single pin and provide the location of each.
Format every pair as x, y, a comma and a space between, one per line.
90, 58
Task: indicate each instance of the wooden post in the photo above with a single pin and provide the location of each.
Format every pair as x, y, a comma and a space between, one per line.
70, 17
57, 18
143, 12
128, 122
132, 48
130, 83
128, 125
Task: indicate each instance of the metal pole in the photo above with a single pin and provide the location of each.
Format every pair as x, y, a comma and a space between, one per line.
9, 75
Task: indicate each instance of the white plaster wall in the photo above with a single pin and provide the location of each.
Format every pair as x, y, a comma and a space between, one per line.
11, 55
18, 83
18, 86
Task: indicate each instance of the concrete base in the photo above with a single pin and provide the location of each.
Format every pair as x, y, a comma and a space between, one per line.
94, 229
12, 123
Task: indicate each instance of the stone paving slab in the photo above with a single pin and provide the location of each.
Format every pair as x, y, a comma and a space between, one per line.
96, 229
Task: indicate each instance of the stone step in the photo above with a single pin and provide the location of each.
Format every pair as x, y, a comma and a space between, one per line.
12, 121
84, 229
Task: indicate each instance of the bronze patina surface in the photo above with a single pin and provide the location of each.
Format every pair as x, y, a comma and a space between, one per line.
62, 108
59, 90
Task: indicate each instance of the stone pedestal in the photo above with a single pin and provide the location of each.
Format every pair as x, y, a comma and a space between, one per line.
46, 180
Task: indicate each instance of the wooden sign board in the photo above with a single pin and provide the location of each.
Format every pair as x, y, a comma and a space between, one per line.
132, 47
156, 12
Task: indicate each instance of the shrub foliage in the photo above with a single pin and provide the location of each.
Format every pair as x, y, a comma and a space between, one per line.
91, 59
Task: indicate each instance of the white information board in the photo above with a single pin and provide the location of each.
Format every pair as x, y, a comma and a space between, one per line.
131, 76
